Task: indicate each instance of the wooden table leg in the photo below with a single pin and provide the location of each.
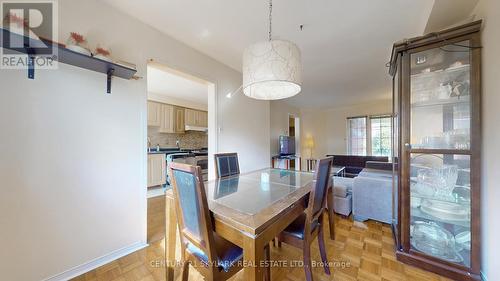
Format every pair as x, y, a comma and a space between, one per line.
331, 213
170, 237
253, 255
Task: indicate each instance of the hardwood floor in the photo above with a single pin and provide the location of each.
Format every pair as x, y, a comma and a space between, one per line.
156, 219
361, 252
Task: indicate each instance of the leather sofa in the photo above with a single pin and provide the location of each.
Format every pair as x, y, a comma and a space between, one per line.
354, 164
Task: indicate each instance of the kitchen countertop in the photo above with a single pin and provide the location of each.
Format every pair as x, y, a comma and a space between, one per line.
161, 152
171, 150
164, 150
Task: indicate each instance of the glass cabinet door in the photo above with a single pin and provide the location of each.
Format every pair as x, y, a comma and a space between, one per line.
440, 206
440, 98
440, 116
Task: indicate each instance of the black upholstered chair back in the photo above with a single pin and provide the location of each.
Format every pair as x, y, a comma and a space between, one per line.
301, 232
226, 164
319, 191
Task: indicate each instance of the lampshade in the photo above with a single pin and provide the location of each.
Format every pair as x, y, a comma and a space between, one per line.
272, 70
309, 143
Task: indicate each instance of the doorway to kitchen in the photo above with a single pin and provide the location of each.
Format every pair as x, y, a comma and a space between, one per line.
178, 122
180, 129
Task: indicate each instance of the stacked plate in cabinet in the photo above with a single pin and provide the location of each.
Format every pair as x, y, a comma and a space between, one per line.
429, 237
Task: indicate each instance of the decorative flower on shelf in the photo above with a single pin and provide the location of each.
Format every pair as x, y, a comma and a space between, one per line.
102, 51
13, 18
18, 24
77, 38
77, 43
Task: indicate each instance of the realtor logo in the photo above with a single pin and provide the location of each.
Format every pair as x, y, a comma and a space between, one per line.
28, 30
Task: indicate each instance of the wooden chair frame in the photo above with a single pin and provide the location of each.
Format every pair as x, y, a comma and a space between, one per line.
309, 235
206, 244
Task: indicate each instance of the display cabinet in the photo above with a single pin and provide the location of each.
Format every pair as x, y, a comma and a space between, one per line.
436, 151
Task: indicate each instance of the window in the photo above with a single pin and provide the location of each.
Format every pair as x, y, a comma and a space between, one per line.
373, 133
356, 135
380, 135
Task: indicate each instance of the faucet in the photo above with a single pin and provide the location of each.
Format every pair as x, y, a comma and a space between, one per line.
149, 144
177, 143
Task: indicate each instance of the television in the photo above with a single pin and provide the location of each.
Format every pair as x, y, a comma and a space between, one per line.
286, 145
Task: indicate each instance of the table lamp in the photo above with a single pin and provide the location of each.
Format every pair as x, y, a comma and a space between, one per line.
309, 144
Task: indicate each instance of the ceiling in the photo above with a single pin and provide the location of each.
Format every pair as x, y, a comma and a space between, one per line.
448, 12
176, 86
345, 44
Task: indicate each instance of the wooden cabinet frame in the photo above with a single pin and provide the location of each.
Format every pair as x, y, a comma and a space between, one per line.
167, 119
157, 169
400, 65
154, 113
173, 119
194, 117
179, 119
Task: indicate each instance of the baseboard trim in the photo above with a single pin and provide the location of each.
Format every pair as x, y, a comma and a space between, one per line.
483, 277
93, 264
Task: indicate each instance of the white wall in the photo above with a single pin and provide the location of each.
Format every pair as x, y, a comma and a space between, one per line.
489, 10
244, 128
72, 170
314, 125
280, 111
73, 159
328, 126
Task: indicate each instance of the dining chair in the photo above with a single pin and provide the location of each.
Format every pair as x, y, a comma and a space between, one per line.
226, 164
309, 225
214, 257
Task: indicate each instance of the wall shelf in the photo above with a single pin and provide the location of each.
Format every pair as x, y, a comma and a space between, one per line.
66, 56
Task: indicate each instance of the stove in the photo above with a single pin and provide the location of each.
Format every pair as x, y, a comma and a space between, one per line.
196, 157
201, 159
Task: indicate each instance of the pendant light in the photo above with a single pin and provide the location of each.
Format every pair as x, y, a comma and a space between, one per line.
272, 69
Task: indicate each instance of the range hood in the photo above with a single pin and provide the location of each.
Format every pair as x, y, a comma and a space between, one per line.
196, 128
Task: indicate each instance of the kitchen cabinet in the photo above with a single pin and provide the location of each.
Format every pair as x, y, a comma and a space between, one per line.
190, 117
157, 169
437, 151
202, 118
173, 119
167, 119
179, 119
196, 118
154, 113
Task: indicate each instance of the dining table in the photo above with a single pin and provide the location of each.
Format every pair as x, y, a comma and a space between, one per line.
249, 210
